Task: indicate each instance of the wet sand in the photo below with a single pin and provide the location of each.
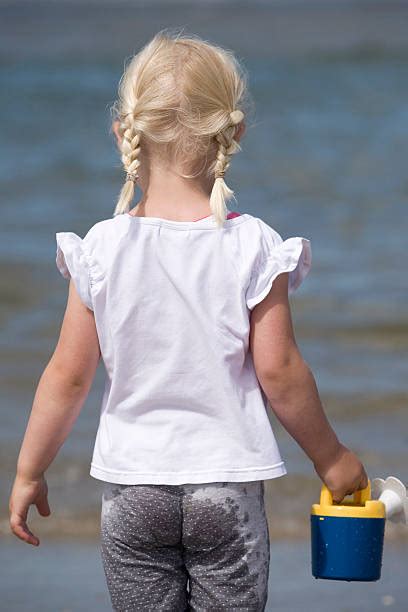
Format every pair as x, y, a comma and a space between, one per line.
68, 577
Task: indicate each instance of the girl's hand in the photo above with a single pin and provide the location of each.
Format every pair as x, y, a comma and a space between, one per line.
343, 475
24, 493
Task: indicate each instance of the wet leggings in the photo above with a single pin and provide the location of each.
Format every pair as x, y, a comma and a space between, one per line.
173, 548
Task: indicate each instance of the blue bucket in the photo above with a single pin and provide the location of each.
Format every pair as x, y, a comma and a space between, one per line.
347, 539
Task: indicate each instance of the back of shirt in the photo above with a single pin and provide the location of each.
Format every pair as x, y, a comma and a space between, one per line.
172, 301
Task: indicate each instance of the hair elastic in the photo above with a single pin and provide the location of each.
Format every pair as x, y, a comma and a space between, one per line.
132, 176
236, 116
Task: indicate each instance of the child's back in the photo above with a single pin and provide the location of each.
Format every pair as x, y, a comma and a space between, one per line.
172, 303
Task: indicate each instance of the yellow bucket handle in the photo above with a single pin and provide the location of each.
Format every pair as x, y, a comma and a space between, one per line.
359, 497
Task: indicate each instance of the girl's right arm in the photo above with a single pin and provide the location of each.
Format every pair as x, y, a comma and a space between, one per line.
291, 390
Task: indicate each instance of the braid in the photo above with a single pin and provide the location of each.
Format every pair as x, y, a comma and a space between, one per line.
227, 146
225, 149
130, 147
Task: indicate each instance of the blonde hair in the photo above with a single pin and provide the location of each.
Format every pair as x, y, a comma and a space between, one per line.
183, 97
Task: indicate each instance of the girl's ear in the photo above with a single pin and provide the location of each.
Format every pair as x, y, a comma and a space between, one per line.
115, 130
239, 132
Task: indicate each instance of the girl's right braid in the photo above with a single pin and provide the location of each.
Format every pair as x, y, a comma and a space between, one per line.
130, 148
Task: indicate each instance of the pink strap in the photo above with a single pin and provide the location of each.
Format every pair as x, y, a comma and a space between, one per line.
230, 215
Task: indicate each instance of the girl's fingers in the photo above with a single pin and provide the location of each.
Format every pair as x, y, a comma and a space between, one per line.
20, 529
364, 482
43, 506
24, 494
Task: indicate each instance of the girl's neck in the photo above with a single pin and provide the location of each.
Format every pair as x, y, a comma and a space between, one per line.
192, 211
167, 195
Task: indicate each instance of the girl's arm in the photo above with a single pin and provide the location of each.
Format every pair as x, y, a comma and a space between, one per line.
291, 390
60, 395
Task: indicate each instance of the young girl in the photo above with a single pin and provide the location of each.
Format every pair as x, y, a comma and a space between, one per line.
186, 302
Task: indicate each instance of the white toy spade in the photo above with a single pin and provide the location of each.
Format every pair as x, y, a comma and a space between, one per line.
393, 493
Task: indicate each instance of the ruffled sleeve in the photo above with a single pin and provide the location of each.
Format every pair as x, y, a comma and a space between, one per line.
74, 260
293, 255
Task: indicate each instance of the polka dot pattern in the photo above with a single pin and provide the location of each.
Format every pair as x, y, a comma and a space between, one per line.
172, 548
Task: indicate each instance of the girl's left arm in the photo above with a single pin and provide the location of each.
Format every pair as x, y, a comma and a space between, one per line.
60, 395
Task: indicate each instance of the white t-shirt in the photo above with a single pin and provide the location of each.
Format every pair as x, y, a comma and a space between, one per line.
172, 301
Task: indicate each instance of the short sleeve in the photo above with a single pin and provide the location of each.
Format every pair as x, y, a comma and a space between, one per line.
293, 255
74, 260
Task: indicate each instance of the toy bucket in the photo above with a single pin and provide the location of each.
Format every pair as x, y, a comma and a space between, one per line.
347, 539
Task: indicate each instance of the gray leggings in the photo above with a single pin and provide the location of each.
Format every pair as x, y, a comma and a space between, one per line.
172, 548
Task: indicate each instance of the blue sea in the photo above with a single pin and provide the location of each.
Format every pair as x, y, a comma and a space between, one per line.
324, 157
